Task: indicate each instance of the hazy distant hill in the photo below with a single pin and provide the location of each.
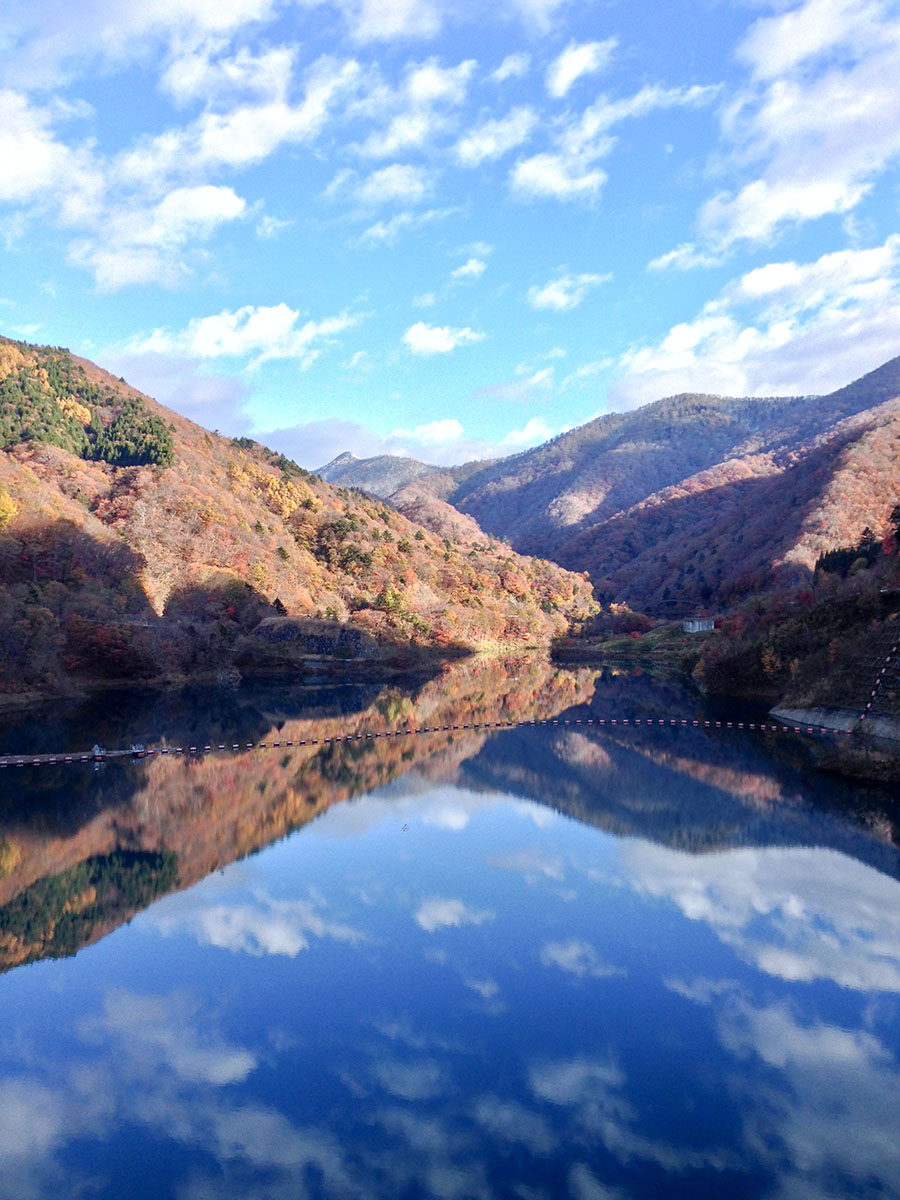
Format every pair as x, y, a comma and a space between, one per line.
133, 542
378, 476
388, 473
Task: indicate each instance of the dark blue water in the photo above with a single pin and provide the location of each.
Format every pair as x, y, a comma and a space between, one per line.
549, 962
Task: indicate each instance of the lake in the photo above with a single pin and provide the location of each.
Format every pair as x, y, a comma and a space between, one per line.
548, 961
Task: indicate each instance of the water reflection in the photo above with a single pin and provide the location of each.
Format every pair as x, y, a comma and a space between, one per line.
598, 964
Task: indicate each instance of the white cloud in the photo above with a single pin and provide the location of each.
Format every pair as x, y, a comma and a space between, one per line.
513, 1122
570, 171
430, 83
472, 268
269, 227
189, 212
818, 1101
386, 233
593, 1088
778, 44
198, 73
552, 176
162, 1027
520, 391
785, 328
683, 258
578, 958
539, 14
244, 133
798, 914
37, 165
424, 102
360, 360
117, 267
147, 245
575, 1081
577, 60
492, 139
585, 1185
52, 41
408, 131
261, 926
258, 333
438, 339
479, 249
514, 66
398, 182
487, 989
385, 20
833, 277
34, 1120
139, 212
433, 433
588, 370
536, 430
438, 912
818, 122
417, 1080
565, 292
535, 864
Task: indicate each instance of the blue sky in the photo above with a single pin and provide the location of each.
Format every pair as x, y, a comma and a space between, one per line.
444, 228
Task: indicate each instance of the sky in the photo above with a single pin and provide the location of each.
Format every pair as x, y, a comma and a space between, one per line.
444, 228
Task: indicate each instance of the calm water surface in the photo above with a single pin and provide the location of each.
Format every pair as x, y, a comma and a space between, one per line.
550, 962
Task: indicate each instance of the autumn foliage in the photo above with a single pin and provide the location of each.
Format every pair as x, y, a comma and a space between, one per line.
114, 568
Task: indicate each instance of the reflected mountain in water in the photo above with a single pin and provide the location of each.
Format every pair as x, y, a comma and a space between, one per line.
686, 788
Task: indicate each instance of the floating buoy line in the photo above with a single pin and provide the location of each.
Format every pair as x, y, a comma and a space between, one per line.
98, 755
101, 755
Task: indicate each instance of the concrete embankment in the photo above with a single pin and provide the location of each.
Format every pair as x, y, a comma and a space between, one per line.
871, 752
841, 720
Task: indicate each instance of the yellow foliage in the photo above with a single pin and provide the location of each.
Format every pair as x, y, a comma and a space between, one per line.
8, 507
280, 495
10, 854
70, 407
11, 359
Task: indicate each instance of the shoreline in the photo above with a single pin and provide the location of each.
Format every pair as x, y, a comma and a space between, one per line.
423, 662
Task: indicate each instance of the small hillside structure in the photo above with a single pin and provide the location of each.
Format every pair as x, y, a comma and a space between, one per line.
698, 625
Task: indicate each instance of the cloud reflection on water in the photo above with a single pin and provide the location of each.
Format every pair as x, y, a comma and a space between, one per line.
800, 914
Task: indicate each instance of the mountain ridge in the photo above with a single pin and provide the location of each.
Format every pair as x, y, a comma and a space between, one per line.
654, 502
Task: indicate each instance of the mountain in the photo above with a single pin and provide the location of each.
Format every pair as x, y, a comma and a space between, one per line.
706, 496
695, 499
379, 476
135, 544
386, 474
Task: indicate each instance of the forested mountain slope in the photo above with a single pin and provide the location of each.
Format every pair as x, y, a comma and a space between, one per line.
543, 497
693, 500
134, 542
750, 523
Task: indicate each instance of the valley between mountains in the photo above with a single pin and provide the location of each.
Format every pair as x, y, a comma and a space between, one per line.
137, 546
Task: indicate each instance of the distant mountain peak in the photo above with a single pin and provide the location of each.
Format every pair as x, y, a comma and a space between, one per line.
343, 460
379, 475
